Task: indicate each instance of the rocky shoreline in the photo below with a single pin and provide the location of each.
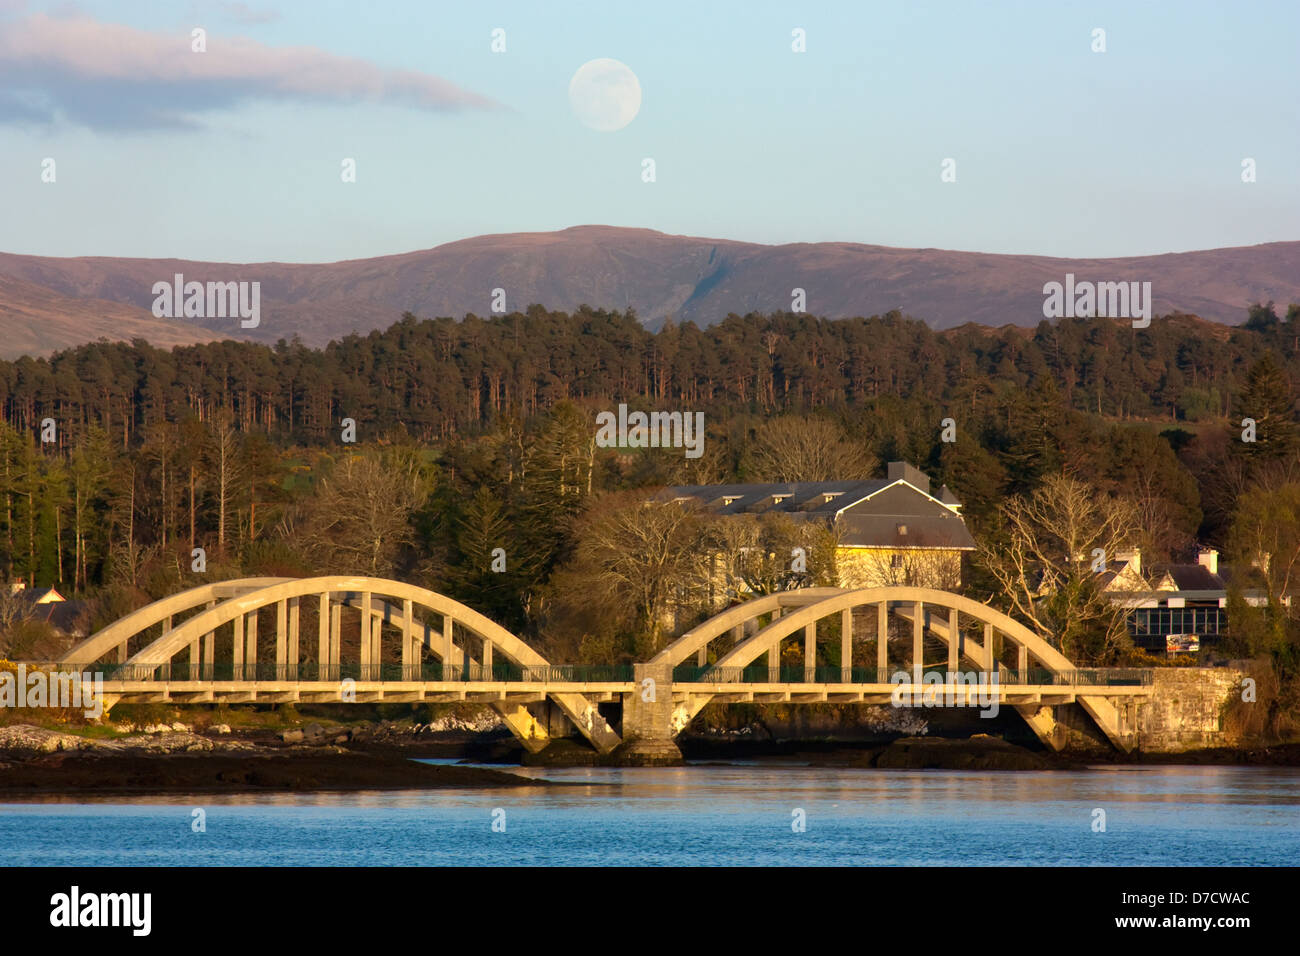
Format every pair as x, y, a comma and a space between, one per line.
40, 763
35, 762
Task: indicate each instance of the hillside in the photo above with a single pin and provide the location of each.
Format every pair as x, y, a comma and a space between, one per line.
658, 275
36, 320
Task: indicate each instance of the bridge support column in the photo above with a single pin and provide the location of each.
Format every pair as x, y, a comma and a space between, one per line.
846, 645
250, 656
336, 628
954, 640
1042, 721
237, 648
409, 658
810, 652
882, 642
294, 625
210, 655
648, 716
448, 649
918, 640
367, 661
210, 651
323, 637
530, 731
282, 640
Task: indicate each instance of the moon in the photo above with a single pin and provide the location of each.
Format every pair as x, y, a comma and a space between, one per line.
605, 95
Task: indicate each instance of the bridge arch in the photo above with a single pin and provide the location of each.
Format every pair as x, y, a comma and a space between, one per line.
341, 590
119, 633
914, 603
736, 620
378, 601
911, 603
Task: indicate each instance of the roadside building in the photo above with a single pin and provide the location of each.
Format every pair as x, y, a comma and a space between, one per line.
889, 530
1175, 608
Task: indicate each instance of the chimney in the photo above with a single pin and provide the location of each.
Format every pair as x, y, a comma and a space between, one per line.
1208, 558
910, 474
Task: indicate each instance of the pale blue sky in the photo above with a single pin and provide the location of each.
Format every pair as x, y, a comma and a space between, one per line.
1059, 150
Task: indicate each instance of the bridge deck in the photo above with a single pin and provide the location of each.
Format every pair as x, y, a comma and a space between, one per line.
272, 691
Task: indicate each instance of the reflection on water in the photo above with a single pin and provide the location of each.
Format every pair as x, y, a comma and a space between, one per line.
711, 815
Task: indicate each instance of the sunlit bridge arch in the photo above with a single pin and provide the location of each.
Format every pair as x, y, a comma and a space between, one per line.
915, 605
234, 606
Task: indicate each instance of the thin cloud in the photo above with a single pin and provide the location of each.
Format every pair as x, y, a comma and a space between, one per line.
246, 14
109, 76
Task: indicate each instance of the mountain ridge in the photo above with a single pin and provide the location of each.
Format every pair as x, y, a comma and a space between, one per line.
659, 275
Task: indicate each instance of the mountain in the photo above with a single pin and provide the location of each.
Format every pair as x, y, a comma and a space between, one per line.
658, 275
36, 320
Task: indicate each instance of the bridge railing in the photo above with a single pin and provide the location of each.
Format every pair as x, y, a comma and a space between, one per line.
425, 671
762, 674
507, 672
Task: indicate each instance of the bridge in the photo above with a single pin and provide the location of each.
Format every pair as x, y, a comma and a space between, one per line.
412, 644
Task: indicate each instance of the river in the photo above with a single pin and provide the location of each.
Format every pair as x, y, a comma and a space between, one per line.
731, 814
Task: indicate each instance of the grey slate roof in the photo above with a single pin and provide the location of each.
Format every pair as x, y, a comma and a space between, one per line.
923, 531
897, 516
66, 616
1190, 577
799, 497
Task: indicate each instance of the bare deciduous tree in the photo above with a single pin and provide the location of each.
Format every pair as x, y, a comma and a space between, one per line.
223, 459
1046, 565
359, 520
795, 448
648, 554
763, 554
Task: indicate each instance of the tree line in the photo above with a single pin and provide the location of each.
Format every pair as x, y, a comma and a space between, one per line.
479, 435
439, 377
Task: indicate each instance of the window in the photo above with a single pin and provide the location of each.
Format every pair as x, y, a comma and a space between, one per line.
896, 561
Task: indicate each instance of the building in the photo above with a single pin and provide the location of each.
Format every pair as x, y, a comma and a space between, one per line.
49, 606
890, 530
1175, 607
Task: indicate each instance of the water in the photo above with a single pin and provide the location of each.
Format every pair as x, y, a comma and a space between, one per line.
734, 814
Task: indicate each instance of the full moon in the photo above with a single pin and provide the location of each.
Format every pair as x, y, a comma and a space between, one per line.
605, 95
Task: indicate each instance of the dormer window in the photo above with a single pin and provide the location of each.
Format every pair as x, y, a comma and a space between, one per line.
902, 529
777, 499
728, 499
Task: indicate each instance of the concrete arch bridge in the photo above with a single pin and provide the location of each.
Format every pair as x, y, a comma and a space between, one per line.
360, 639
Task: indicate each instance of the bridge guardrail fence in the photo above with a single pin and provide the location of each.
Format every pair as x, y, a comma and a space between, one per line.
426, 671
507, 672
762, 674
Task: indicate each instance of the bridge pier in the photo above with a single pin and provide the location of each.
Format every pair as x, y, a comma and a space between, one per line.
648, 718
